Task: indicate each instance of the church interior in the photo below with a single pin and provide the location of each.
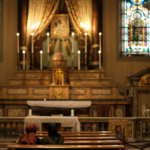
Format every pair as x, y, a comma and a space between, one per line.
83, 64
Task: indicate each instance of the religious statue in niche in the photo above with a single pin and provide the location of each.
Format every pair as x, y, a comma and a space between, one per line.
137, 25
59, 77
37, 47
60, 27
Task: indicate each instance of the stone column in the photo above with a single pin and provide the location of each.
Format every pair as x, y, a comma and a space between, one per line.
22, 23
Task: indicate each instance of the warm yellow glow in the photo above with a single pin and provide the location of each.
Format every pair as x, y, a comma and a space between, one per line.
17, 34
72, 34
35, 25
100, 33
78, 51
32, 34
85, 26
23, 51
47, 34
85, 33
99, 52
41, 52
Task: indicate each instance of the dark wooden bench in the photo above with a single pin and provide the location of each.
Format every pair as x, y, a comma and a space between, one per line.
100, 147
77, 132
79, 135
87, 138
91, 142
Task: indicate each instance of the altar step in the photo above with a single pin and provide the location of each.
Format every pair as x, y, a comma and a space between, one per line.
89, 81
87, 74
31, 81
27, 74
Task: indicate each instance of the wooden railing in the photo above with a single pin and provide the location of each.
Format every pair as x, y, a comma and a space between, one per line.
138, 128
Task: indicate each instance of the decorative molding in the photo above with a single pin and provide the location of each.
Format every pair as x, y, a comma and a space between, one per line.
17, 91
100, 91
77, 91
41, 91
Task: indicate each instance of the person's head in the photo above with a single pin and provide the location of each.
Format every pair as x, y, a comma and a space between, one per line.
31, 127
118, 129
52, 129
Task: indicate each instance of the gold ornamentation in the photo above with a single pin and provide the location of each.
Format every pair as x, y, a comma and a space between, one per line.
59, 93
66, 46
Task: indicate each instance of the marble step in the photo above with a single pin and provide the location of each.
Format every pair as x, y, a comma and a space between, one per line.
32, 81
87, 74
89, 81
33, 74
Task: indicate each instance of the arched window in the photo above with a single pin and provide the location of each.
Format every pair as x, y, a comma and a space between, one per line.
135, 28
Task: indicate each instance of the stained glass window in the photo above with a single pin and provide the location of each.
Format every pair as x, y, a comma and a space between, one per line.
135, 28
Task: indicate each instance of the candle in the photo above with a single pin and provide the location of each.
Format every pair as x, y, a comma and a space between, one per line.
85, 42
41, 52
99, 59
17, 42
30, 112
32, 43
72, 43
78, 59
23, 59
44, 99
72, 112
47, 42
100, 40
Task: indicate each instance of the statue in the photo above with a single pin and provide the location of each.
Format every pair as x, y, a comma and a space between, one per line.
137, 23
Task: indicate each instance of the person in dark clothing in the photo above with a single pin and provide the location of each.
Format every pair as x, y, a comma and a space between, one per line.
29, 137
53, 136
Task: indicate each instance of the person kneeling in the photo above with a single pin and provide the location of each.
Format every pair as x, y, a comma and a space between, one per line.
53, 136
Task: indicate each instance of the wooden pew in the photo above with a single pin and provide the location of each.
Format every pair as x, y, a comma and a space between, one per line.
87, 138
79, 135
77, 132
100, 147
92, 142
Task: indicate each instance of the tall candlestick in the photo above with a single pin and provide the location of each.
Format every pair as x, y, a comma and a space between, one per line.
32, 43
85, 42
100, 46
78, 59
24, 59
41, 52
72, 43
99, 59
17, 42
47, 42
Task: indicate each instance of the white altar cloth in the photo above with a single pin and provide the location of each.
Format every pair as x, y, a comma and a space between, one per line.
64, 120
60, 104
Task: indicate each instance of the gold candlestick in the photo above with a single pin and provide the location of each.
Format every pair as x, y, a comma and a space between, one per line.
18, 62
85, 61
32, 61
48, 67
72, 68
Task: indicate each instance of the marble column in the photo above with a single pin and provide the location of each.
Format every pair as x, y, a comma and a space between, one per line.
96, 21
22, 23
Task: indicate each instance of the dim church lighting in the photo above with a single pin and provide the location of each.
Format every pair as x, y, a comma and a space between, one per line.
83, 25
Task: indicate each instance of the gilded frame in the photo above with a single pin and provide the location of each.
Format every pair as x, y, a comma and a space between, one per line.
60, 27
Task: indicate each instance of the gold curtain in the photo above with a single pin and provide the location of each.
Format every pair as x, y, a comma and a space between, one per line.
74, 13
50, 7
34, 16
143, 99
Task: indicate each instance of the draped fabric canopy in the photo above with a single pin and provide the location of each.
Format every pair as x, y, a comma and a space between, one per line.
42, 11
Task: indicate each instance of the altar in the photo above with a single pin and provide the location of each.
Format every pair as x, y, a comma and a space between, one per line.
66, 121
